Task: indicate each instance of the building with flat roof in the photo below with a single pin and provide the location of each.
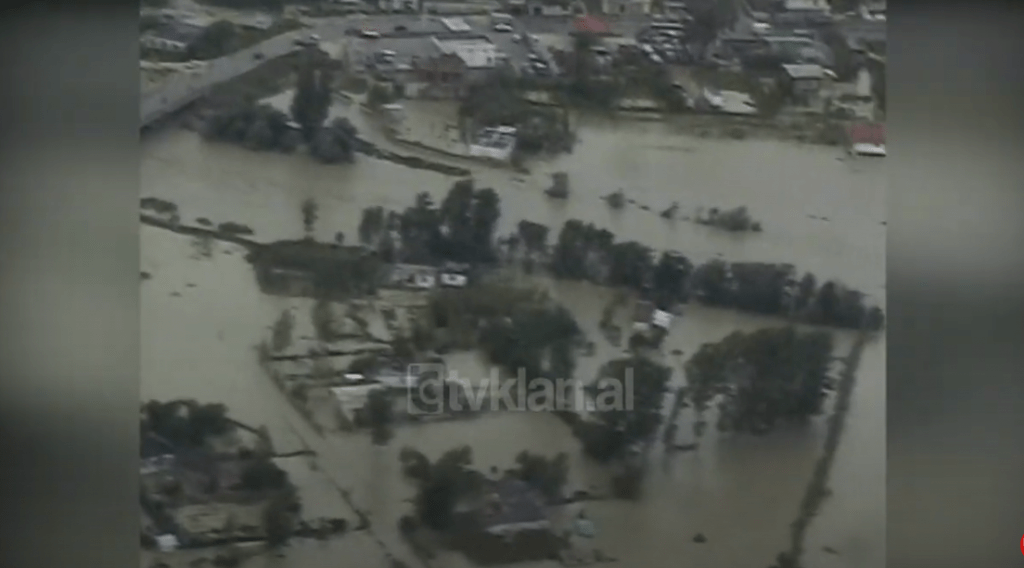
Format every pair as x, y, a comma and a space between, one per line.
475, 52
497, 143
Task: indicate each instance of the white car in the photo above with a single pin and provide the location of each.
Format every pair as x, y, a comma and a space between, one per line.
370, 34
502, 28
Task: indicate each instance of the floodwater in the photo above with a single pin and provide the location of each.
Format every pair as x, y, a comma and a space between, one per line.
203, 316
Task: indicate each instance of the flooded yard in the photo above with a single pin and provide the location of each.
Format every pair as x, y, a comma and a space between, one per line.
203, 318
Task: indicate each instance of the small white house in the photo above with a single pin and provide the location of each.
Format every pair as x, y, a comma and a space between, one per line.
167, 542
661, 319
453, 280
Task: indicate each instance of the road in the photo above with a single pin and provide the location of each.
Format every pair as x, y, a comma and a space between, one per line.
181, 89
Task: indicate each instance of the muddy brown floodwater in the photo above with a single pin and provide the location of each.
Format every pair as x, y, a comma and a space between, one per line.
202, 316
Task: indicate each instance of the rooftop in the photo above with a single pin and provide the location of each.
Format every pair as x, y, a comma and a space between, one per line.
818, 5
867, 133
804, 71
591, 24
456, 25
513, 502
476, 53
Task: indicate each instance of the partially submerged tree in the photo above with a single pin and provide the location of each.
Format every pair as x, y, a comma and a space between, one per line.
185, 423
628, 397
762, 378
440, 484
380, 416
312, 99
547, 475
310, 209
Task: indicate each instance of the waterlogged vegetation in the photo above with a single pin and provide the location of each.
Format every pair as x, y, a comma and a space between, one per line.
261, 127
462, 229
761, 379
443, 483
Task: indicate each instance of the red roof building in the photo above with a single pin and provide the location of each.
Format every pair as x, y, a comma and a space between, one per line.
867, 133
590, 24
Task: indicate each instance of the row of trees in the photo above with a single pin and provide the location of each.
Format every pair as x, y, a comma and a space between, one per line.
761, 378
623, 427
460, 229
256, 126
586, 252
185, 423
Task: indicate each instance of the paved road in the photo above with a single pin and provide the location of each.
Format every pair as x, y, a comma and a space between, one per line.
183, 88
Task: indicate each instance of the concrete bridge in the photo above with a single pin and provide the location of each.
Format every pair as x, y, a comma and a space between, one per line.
185, 88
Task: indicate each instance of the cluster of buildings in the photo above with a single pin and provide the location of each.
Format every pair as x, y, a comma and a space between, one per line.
429, 57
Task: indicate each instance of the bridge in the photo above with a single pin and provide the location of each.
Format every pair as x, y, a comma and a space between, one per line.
185, 88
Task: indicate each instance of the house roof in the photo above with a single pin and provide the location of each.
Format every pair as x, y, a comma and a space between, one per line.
516, 502
475, 53
867, 133
591, 24
804, 71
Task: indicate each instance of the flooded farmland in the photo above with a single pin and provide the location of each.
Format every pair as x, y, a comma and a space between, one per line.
203, 315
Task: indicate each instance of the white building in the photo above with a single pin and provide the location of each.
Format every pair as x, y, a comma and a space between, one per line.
456, 25
807, 6
497, 143
476, 53
453, 280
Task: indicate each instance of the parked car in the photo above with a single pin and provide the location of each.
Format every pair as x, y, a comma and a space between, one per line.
309, 41
370, 34
502, 27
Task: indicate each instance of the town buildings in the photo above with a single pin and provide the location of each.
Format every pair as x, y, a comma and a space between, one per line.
626, 7
803, 82
555, 8
434, 59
